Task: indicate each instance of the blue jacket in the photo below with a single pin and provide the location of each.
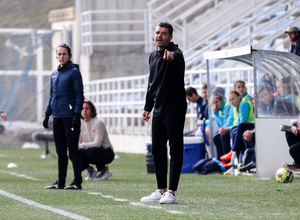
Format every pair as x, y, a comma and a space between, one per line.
66, 92
222, 115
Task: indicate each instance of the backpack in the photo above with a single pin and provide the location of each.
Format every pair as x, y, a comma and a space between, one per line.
210, 165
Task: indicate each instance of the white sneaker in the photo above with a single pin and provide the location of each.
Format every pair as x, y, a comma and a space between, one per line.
168, 198
154, 197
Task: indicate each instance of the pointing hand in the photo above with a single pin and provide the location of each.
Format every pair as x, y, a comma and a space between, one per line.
168, 55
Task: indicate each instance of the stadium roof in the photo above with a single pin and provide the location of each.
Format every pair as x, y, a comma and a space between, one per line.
279, 64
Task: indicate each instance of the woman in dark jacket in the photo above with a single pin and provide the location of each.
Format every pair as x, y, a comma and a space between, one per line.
65, 105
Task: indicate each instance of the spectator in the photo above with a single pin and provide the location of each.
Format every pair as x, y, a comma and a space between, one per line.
240, 87
94, 144
205, 97
238, 144
270, 105
293, 140
65, 105
192, 96
201, 108
3, 116
249, 142
166, 94
203, 126
221, 109
241, 111
293, 34
267, 80
287, 90
219, 90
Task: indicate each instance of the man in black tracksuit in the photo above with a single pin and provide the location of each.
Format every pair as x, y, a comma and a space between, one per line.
166, 94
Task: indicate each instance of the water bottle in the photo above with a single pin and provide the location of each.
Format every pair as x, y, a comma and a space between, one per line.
149, 159
234, 164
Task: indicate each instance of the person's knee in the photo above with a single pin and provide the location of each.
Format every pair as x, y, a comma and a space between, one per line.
207, 132
216, 138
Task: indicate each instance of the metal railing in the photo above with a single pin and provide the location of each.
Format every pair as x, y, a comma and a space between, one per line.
114, 28
120, 101
135, 28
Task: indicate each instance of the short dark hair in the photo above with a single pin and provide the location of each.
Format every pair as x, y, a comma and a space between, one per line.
67, 47
235, 92
166, 25
204, 86
92, 107
190, 91
262, 88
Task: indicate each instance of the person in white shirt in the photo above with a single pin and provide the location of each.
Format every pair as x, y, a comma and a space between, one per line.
94, 144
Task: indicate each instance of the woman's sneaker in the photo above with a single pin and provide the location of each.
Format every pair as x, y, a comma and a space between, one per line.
154, 197
168, 198
91, 173
291, 167
55, 185
73, 186
104, 174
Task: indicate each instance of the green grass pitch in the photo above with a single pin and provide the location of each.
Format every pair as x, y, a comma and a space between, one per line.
22, 193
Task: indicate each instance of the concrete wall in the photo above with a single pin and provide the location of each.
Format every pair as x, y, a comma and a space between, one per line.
64, 20
102, 66
129, 144
112, 4
114, 61
271, 146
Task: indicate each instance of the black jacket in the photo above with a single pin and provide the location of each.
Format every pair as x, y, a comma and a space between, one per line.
166, 81
202, 109
296, 49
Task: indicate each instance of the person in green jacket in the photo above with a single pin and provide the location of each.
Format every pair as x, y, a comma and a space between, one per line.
241, 111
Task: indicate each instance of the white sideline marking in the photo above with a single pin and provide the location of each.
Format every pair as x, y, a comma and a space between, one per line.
19, 175
121, 200
144, 205
94, 193
41, 206
175, 212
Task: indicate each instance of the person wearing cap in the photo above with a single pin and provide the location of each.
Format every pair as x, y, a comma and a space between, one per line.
293, 34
